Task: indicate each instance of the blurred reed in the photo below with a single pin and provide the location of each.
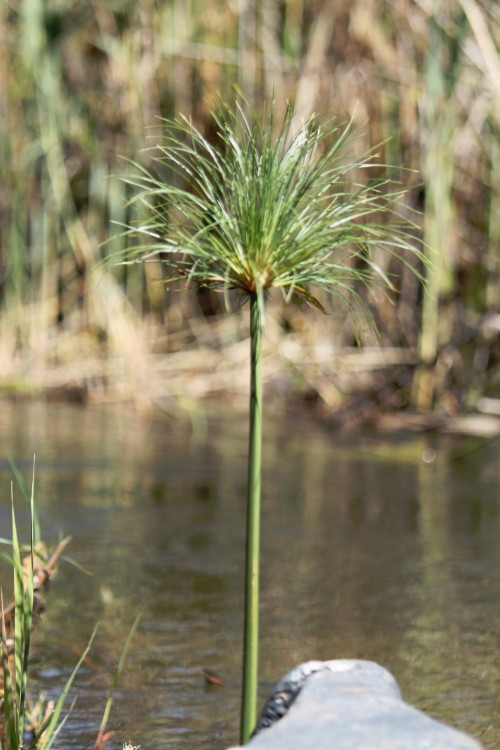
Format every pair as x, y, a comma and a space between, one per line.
83, 84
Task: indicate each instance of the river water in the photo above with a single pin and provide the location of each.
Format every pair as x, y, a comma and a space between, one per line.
374, 547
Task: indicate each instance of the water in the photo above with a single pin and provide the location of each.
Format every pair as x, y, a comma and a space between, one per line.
368, 551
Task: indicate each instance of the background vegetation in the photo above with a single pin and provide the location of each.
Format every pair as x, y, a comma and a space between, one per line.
82, 85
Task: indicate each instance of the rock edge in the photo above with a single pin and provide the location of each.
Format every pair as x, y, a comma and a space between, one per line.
348, 704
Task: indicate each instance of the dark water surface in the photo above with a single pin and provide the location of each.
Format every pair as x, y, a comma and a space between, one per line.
369, 551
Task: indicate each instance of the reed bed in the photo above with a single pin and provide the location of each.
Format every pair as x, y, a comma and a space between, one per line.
82, 87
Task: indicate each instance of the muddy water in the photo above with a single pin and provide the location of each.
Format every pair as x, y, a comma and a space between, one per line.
369, 551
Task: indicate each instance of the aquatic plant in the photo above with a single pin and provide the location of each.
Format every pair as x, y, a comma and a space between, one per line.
41, 722
17, 620
262, 206
15, 677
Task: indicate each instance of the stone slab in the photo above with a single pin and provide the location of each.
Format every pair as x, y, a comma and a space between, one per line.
348, 704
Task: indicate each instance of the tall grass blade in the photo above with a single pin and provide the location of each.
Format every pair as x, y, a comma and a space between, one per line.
28, 600
29, 496
116, 677
51, 728
39, 742
23, 598
9, 705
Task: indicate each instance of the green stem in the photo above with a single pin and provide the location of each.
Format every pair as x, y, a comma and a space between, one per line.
251, 637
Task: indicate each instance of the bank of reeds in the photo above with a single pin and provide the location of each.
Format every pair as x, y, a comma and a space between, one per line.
81, 84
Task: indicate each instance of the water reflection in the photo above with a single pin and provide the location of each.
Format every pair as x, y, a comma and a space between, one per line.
368, 551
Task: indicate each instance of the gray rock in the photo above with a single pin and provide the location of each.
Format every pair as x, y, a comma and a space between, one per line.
348, 704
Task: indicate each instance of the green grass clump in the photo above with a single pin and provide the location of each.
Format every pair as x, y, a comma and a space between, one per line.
43, 723
15, 679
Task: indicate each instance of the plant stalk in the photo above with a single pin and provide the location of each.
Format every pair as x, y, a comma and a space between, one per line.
251, 635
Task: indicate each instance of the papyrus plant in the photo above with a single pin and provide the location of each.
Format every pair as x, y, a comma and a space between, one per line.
267, 205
